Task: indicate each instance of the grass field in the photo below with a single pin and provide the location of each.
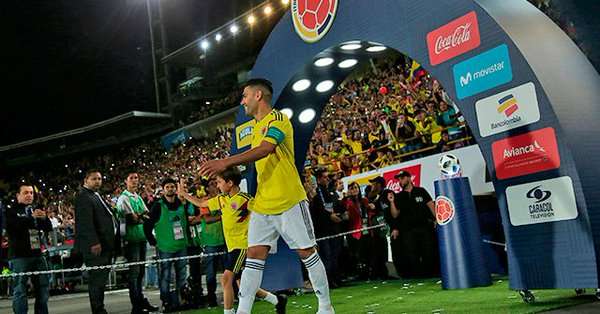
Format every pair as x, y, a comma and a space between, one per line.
425, 296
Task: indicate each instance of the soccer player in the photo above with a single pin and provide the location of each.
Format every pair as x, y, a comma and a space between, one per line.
233, 205
280, 207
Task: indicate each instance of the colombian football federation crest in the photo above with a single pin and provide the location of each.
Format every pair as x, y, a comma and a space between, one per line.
313, 18
444, 210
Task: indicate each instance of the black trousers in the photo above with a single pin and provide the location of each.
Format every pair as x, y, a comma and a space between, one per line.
420, 248
330, 250
136, 252
195, 278
97, 279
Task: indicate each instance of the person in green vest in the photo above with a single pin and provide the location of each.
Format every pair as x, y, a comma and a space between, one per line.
131, 207
168, 220
213, 241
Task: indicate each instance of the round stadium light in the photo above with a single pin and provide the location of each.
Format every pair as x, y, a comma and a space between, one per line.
324, 86
207, 102
376, 48
218, 37
288, 112
351, 45
251, 19
307, 115
204, 45
323, 62
348, 63
268, 10
301, 85
234, 29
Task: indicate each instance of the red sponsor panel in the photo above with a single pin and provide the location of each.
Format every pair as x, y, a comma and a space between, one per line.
453, 39
526, 153
393, 184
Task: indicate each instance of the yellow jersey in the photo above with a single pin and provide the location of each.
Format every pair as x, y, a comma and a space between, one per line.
278, 184
235, 216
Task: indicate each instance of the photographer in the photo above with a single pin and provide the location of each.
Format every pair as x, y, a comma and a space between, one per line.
25, 225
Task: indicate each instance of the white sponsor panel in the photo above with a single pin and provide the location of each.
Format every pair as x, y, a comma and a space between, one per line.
510, 109
471, 161
541, 201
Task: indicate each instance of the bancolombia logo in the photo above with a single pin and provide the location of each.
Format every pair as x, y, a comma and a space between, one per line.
482, 72
453, 39
525, 154
507, 110
542, 201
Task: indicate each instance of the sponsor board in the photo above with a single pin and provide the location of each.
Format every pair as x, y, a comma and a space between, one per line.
507, 110
393, 183
542, 201
482, 72
526, 154
453, 39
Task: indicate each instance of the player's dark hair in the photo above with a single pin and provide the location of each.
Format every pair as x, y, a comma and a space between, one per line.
260, 82
231, 174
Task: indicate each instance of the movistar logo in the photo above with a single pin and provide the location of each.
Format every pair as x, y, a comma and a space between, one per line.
485, 71
469, 77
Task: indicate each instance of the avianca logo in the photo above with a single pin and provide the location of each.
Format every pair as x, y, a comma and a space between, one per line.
527, 153
527, 149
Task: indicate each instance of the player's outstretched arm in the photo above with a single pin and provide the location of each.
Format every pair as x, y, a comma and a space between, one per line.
213, 167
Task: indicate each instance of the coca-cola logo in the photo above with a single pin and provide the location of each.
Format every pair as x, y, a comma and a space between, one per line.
453, 39
393, 184
461, 34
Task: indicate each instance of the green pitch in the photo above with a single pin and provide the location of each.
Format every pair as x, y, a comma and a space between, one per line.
426, 296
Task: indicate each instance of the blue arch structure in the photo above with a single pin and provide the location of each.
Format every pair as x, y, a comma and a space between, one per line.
537, 55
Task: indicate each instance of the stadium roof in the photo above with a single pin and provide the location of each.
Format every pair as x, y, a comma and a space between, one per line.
232, 50
116, 130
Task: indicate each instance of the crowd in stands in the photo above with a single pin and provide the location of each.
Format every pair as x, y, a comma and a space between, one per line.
57, 184
383, 118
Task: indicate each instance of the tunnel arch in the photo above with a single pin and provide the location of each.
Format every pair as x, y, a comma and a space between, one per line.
511, 50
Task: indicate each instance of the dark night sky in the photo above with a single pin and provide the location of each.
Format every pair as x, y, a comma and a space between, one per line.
70, 63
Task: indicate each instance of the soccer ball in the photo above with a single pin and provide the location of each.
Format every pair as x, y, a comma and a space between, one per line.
314, 13
449, 165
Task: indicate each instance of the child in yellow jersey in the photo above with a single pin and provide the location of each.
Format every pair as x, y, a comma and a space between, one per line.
235, 215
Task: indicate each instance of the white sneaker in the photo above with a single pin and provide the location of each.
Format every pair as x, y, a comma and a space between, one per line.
329, 311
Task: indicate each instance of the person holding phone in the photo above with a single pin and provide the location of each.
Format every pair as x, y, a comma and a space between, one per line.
25, 225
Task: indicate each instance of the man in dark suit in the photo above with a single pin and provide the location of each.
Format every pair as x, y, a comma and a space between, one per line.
96, 236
